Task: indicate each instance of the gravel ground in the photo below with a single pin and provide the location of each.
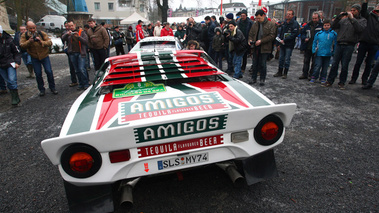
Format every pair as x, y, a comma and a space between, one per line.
327, 162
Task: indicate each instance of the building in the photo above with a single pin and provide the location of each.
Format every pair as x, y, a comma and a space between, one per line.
113, 11
230, 8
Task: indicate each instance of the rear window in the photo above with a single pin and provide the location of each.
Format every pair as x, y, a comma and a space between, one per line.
158, 45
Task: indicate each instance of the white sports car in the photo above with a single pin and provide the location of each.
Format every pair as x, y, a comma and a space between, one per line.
152, 113
156, 44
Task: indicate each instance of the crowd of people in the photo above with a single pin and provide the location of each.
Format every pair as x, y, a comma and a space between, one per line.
324, 43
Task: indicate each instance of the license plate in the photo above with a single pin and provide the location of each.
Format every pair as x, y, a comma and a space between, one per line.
182, 160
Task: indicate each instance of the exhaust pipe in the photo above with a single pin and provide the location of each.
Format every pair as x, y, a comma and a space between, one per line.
231, 169
126, 199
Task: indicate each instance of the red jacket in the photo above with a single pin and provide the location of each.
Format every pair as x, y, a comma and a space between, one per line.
139, 33
165, 32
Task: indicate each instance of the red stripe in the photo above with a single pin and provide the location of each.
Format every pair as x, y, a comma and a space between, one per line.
221, 88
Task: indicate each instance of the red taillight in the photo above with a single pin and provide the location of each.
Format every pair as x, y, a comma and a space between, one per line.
269, 130
119, 156
81, 162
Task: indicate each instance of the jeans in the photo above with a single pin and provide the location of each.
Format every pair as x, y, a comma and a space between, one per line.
321, 63
10, 76
26, 58
285, 57
364, 48
2, 83
374, 74
218, 58
342, 54
130, 46
259, 64
88, 65
79, 63
211, 52
72, 70
308, 57
237, 62
99, 56
37, 65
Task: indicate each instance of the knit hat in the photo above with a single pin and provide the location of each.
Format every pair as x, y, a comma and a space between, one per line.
1, 29
357, 6
230, 16
244, 12
232, 22
202, 22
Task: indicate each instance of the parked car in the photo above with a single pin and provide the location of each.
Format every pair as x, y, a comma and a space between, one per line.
155, 44
52, 23
157, 112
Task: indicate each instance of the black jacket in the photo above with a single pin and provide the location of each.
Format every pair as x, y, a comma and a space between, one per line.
194, 32
239, 42
8, 51
371, 33
288, 32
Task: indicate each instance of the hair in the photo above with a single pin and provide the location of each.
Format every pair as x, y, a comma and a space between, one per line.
293, 12
140, 21
91, 20
260, 12
207, 18
149, 25
213, 17
316, 13
326, 21
102, 23
86, 26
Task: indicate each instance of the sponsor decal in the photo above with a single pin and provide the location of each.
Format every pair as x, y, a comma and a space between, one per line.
137, 110
140, 88
183, 160
181, 128
160, 149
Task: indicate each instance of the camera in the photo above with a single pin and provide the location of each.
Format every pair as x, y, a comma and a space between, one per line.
35, 38
344, 14
252, 44
226, 32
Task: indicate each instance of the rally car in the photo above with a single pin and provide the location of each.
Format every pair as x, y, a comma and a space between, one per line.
158, 112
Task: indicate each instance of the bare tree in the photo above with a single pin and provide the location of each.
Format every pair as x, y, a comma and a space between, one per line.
25, 9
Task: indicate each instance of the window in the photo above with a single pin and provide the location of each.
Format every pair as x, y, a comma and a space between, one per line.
97, 5
142, 8
110, 6
52, 24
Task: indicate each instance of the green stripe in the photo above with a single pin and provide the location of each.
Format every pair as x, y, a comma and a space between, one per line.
247, 94
185, 89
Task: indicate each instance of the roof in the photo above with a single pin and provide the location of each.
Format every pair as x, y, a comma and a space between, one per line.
144, 67
232, 5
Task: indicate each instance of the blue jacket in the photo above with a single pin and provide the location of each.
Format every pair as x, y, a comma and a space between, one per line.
325, 43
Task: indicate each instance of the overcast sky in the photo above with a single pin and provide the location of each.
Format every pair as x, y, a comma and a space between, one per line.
210, 3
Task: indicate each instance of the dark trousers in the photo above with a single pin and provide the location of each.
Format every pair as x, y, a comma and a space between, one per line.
120, 49
374, 74
218, 58
308, 57
259, 64
244, 60
342, 54
72, 70
99, 56
363, 49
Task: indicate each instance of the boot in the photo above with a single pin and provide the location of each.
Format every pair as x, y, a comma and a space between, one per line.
31, 71
285, 73
279, 73
15, 98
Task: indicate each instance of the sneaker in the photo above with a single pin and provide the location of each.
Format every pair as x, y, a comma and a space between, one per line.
323, 81
42, 93
73, 84
284, 76
54, 91
327, 84
313, 80
262, 82
341, 86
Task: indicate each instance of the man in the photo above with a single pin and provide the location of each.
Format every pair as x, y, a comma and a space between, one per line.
368, 44
157, 29
145, 31
37, 44
98, 42
210, 33
139, 31
237, 47
74, 80
193, 30
167, 31
214, 20
307, 34
244, 24
229, 18
286, 37
350, 25
10, 60
118, 38
150, 29
110, 38
77, 40
24, 54
261, 37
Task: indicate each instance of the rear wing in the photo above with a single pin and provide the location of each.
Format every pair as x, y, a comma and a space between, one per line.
143, 67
